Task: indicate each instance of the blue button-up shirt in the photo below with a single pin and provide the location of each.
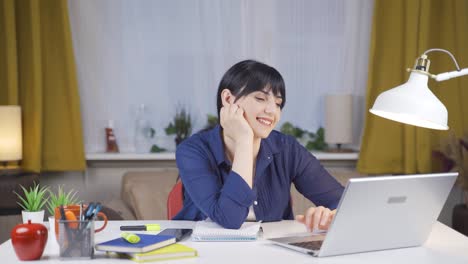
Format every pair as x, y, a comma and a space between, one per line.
212, 189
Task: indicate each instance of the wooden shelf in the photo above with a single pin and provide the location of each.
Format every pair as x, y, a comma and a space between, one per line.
171, 156
129, 156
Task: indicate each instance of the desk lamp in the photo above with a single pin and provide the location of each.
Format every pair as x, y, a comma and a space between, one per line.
11, 148
412, 102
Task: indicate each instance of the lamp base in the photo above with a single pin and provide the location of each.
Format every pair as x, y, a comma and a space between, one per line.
8, 170
339, 149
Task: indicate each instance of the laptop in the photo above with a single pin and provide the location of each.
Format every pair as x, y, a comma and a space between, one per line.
378, 213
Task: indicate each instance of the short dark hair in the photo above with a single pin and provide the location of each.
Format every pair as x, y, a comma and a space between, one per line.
249, 76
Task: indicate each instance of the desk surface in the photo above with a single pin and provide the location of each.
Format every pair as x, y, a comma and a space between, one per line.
443, 246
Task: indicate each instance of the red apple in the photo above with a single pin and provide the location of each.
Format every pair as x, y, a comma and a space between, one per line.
29, 240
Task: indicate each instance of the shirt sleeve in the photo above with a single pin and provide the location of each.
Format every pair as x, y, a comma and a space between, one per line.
312, 180
227, 204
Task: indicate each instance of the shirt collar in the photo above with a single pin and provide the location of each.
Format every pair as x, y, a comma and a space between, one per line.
217, 146
267, 146
270, 144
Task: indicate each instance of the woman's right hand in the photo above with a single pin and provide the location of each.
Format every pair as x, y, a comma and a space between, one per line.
234, 124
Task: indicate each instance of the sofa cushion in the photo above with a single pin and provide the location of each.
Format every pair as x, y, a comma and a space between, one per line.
116, 209
146, 192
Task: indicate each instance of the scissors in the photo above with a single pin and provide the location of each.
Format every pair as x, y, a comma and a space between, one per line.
92, 210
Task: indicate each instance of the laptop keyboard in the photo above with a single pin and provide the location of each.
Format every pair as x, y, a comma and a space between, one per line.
312, 245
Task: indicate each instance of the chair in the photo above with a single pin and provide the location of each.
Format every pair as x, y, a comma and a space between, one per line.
175, 200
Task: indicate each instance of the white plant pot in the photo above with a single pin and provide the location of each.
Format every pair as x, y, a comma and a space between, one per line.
35, 217
52, 243
51, 225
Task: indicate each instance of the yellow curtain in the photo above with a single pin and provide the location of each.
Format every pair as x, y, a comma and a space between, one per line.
37, 72
402, 30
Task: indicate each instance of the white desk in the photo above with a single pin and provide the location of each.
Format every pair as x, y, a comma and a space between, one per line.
443, 246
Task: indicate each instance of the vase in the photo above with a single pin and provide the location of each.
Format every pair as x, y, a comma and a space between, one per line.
35, 217
143, 133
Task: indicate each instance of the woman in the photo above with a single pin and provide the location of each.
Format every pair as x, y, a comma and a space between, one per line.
242, 169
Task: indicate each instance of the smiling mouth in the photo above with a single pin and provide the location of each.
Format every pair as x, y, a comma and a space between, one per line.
264, 122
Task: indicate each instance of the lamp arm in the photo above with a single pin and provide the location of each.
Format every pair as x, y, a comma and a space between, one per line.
445, 51
449, 75
446, 75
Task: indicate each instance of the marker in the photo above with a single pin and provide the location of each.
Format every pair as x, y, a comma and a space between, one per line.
130, 237
147, 227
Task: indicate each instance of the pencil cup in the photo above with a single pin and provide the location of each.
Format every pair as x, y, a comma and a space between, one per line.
76, 211
76, 239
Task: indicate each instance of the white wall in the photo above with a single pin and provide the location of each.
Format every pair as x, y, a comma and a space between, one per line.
164, 53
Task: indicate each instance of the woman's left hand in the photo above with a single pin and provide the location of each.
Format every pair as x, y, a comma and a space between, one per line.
316, 218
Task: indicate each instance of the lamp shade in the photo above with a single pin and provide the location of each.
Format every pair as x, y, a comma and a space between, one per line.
412, 103
338, 119
11, 147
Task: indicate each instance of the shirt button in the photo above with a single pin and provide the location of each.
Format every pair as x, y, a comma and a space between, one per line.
255, 202
268, 157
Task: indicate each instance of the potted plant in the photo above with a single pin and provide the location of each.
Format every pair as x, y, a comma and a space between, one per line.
181, 126
211, 121
32, 201
311, 141
60, 198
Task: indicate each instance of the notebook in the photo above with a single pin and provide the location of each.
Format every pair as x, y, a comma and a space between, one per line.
146, 243
174, 251
211, 231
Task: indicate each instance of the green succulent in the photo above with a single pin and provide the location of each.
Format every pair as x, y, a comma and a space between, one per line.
288, 129
32, 200
181, 125
61, 198
156, 149
315, 141
211, 121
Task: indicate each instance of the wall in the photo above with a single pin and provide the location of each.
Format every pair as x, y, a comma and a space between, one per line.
169, 53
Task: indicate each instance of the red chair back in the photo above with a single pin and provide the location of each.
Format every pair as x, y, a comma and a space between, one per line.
175, 200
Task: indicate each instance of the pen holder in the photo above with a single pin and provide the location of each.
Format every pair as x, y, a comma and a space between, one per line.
76, 211
76, 239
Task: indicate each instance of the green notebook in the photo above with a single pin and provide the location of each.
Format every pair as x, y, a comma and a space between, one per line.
174, 251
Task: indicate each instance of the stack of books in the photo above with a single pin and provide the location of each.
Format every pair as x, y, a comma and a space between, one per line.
149, 248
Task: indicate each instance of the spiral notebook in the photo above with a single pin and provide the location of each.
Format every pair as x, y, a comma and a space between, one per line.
211, 231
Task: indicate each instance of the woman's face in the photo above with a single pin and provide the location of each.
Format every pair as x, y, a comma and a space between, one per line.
262, 111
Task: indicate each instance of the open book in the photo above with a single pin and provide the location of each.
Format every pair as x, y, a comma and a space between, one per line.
211, 231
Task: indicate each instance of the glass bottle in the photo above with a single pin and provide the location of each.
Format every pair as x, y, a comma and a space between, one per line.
142, 131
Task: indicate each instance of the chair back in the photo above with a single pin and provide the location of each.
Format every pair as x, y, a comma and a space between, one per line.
175, 200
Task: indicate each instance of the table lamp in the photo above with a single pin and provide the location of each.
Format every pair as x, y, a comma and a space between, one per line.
11, 148
412, 102
338, 121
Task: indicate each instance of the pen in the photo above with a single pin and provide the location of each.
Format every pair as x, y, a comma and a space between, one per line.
89, 211
147, 227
